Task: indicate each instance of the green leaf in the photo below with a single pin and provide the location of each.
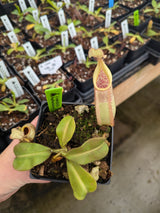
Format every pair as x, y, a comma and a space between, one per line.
8, 100
154, 3
16, 30
10, 51
92, 150
3, 108
20, 108
29, 155
30, 18
81, 181
23, 101
20, 49
105, 40
63, 28
65, 130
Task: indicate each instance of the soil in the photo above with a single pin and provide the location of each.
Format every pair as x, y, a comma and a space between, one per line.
132, 3
134, 45
9, 120
112, 58
85, 42
39, 39
85, 129
20, 63
68, 56
80, 72
50, 79
4, 40
116, 13
156, 15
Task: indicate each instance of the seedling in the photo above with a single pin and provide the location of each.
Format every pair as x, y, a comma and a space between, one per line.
19, 13
110, 29
29, 155
56, 32
2, 83
53, 6
135, 37
155, 8
62, 48
10, 105
39, 54
110, 47
15, 48
96, 13
54, 85
150, 32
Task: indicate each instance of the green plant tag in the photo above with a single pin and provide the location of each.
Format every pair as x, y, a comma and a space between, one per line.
136, 18
54, 98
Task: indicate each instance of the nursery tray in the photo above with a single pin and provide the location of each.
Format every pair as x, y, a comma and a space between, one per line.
43, 109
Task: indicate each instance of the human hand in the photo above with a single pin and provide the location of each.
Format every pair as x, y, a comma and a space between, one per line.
10, 179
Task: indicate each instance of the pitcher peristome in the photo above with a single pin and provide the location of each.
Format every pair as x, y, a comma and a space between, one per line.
103, 92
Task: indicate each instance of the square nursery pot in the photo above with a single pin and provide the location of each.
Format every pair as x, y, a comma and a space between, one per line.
49, 170
136, 52
82, 76
151, 15
70, 93
143, 24
14, 119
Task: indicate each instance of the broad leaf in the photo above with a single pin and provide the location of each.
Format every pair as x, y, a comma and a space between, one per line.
23, 101
9, 51
30, 18
29, 155
16, 30
21, 108
3, 108
81, 181
92, 150
65, 130
63, 28
8, 100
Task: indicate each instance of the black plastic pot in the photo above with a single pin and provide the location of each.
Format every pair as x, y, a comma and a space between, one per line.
44, 108
141, 27
118, 64
87, 97
22, 122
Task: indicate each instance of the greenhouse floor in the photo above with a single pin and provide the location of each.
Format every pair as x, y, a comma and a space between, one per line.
135, 185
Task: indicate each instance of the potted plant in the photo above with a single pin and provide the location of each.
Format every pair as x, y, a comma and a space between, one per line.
133, 4
76, 147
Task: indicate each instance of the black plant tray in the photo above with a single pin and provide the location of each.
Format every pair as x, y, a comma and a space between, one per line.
22, 122
133, 55
87, 97
154, 49
43, 109
130, 68
118, 64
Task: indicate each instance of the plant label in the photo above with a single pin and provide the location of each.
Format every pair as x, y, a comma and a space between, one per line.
64, 38
124, 27
51, 66
45, 22
22, 5
3, 70
72, 30
29, 49
59, 4
61, 17
111, 3
32, 4
108, 18
12, 37
91, 5
94, 42
14, 85
67, 2
7, 23
54, 98
31, 75
136, 18
80, 53
35, 14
